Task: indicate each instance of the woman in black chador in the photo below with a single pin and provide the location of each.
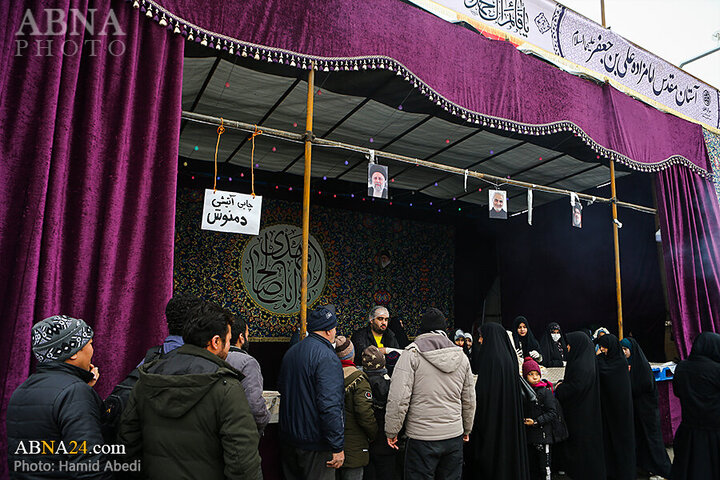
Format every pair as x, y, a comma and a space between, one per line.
617, 409
649, 447
579, 395
498, 436
697, 385
553, 346
525, 340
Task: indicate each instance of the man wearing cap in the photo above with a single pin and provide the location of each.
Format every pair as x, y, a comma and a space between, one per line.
375, 333
57, 405
433, 394
311, 386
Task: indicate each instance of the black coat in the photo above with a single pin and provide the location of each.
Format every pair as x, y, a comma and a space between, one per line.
650, 449
363, 338
397, 328
617, 410
498, 436
697, 385
549, 425
553, 352
579, 396
55, 404
380, 385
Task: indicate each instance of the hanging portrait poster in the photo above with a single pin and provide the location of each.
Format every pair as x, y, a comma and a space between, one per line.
497, 204
530, 206
231, 212
576, 210
377, 180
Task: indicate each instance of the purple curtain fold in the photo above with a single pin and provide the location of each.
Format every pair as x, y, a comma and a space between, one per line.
485, 76
89, 172
690, 228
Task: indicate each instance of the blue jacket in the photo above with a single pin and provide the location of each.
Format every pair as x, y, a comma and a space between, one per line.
312, 402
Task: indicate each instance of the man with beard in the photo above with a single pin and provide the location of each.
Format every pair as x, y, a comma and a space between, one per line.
188, 416
246, 364
375, 333
377, 181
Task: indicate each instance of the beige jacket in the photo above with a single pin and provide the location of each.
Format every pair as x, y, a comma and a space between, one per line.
431, 391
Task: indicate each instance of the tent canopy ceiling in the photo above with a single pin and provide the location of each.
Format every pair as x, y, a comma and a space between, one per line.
385, 116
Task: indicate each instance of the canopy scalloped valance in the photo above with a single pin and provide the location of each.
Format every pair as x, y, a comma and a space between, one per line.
506, 90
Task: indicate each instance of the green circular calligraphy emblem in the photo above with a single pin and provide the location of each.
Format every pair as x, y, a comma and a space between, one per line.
271, 269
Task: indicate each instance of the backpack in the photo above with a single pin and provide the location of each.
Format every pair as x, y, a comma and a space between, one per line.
117, 400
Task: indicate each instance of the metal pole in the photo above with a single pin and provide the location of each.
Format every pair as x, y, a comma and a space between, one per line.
322, 142
702, 55
617, 250
602, 12
306, 201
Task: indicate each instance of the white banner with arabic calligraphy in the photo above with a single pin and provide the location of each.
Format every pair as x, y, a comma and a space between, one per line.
558, 30
231, 212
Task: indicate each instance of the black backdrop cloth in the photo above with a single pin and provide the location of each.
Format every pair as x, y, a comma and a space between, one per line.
697, 385
528, 343
499, 442
579, 395
649, 446
617, 410
553, 352
551, 271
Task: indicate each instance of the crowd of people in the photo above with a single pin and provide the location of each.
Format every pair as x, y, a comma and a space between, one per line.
372, 405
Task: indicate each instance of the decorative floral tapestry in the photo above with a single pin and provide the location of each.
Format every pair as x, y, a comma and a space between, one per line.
356, 260
712, 142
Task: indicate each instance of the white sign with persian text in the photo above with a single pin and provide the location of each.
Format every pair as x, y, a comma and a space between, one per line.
231, 212
556, 29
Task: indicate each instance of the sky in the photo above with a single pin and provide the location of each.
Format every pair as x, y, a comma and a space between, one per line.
674, 30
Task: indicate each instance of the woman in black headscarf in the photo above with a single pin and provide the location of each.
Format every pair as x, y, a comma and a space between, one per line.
617, 409
525, 340
553, 346
500, 450
649, 447
697, 385
579, 395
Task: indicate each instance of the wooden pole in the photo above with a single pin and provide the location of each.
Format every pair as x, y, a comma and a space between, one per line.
306, 201
617, 250
602, 12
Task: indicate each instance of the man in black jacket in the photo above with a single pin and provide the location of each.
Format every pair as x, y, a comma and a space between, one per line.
188, 416
53, 418
312, 408
375, 333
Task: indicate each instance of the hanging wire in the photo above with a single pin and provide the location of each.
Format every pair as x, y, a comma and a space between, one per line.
220, 131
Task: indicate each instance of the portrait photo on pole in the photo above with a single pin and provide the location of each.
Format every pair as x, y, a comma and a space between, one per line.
498, 204
576, 211
377, 180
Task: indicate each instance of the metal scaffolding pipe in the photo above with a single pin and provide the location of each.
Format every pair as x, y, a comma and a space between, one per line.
321, 142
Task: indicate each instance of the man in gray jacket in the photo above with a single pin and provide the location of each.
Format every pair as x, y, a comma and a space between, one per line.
432, 392
246, 364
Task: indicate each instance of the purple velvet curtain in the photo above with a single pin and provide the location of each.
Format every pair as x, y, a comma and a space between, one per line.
690, 227
88, 171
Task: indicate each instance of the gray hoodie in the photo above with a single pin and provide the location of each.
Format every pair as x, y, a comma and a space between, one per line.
431, 391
